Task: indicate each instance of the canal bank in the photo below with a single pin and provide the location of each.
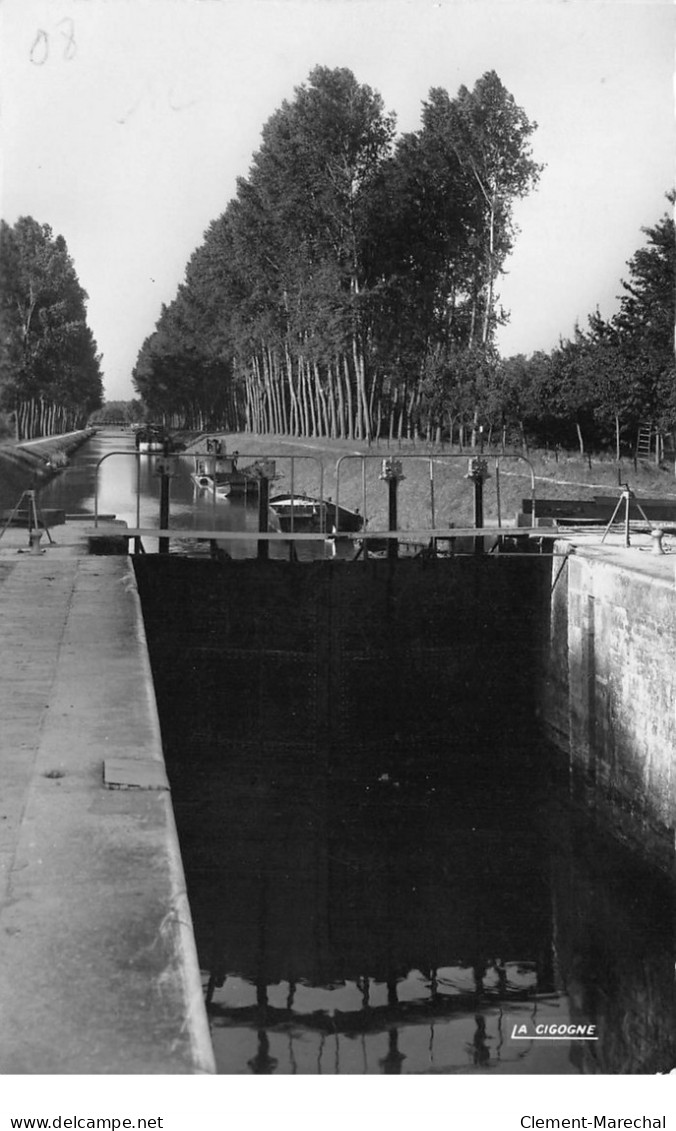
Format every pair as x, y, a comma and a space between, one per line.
29, 465
98, 972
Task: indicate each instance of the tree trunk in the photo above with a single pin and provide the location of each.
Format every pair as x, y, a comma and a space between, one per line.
331, 394
312, 400
322, 409
489, 282
348, 396
342, 421
579, 437
294, 418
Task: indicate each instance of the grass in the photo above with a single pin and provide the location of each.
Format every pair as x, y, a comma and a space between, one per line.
449, 493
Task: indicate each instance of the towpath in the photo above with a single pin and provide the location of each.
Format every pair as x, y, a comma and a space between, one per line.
98, 972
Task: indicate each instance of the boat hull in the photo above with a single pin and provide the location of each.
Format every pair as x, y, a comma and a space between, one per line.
307, 514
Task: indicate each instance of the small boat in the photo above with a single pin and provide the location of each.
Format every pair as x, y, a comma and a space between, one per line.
221, 476
308, 514
154, 438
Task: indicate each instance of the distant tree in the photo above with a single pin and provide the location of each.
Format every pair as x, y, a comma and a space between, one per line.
127, 412
511, 400
491, 136
300, 223
600, 385
419, 253
645, 325
443, 229
49, 369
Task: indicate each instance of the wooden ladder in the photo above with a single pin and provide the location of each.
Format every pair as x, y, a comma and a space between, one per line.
644, 442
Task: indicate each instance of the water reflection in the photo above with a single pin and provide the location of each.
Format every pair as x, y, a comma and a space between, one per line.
390, 933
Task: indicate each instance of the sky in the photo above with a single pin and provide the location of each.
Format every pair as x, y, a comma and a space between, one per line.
125, 124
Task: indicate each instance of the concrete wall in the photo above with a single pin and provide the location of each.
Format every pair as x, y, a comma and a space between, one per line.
614, 916
609, 693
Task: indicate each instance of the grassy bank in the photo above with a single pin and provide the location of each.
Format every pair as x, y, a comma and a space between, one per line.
448, 491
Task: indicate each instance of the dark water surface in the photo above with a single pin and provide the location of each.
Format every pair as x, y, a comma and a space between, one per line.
391, 913
386, 927
385, 869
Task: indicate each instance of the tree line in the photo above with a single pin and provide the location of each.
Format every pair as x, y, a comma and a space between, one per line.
594, 391
352, 272
348, 290
50, 376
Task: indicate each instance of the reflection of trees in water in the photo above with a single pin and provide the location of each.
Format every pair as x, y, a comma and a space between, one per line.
310, 913
263, 1064
321, 887
481, 1054
307, 898
377, 1030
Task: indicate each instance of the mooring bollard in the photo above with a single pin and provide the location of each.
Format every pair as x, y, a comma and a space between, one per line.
34, 537
391, 473
657, 535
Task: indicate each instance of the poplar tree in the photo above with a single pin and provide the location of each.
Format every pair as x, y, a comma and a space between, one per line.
491, 136
349, 285
49, 369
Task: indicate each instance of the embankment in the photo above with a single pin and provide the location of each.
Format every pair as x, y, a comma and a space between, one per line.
26, 466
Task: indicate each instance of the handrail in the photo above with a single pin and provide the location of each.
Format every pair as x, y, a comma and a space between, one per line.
431, 459
426, 534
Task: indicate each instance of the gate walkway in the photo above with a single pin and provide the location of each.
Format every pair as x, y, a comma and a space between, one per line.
98, 972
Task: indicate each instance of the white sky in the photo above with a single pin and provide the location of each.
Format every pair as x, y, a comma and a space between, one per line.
126, 122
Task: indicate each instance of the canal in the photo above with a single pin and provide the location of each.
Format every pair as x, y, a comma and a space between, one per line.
384, 878
129, 489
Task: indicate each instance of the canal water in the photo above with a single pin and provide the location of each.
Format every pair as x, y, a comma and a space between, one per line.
108, 476
394, 927
399, 919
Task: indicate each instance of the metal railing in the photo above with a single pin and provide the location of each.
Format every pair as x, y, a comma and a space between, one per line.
164, 467
431, 460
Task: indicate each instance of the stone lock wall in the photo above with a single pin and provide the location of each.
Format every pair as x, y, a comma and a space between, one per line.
609, 693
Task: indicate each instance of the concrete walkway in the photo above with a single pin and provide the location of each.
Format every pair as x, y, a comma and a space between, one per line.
98, 970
